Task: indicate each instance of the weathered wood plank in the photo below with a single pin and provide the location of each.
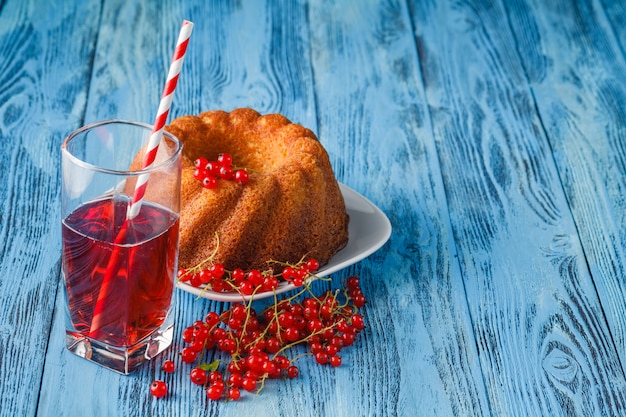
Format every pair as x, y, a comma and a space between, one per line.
544, 346
578, 86
42, 97
225, 67
375, 123
265, 66
518, 97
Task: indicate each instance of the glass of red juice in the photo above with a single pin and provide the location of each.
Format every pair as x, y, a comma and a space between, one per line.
119, 253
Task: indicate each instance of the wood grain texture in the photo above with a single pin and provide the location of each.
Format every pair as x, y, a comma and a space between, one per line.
578, 86
362, 53
489, 131
545, 348
37, 107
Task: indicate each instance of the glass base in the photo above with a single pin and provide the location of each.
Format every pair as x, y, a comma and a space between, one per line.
120, 359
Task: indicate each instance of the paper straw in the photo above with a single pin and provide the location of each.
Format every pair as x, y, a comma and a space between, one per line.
161, 117
142, 181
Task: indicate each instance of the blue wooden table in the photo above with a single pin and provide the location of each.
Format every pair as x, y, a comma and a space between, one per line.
491, 133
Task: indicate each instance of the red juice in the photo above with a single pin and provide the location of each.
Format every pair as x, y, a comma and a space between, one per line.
119, 285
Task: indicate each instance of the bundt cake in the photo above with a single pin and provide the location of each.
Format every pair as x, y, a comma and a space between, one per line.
290, 207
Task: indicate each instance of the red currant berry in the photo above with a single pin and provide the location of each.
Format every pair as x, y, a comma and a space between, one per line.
335, 360
321, 358
302, 273
326, 311
359, 300
251, 374
235, 323
205, 276
238, 275
228, 345
270, 368
198, 326
285, 319
241, 176
213, 168
312, 265
219, 334
209, 182
342, 326
235, 379
197, 346
281, 362
234, 393
252, 325
226, 173
215, 376
218, 285
188, 355
269, 315
292, 334
212, 318
249, 384
331, 350
255, 362
195, 280
158, 389
200, 162
348, 339
255, 277
315, 347
310, 302
293, 371
246, 288
310, 313
296, 309
255, 351
238, 311
288, 273
187, 335
272, 345
299, 322
198, 376
214, 392
225, 159
357, 322
168, 367
328, 333
336, 341
200, 174
217, 270
237, 366
353, 283
315, 325
270, 283
183, 275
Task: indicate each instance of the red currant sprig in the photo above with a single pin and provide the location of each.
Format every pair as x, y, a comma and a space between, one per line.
218, 279
255, 344
208, 172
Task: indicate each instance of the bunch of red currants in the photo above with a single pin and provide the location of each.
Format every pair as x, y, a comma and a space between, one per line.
255, 346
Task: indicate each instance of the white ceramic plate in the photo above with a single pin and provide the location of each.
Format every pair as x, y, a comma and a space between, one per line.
368, 230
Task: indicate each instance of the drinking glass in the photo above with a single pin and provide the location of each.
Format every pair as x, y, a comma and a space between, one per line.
119, 265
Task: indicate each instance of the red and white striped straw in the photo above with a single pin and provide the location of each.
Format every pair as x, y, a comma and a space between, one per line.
161, 117
142, 181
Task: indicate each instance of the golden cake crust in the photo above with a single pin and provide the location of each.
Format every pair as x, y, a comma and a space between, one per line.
291, 206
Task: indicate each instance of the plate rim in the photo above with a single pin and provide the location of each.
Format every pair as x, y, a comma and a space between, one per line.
385, 234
